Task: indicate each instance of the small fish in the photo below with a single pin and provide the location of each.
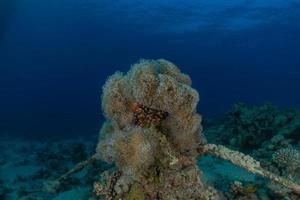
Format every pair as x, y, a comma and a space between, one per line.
147, 117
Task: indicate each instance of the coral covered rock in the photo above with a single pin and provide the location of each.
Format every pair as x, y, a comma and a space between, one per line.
154, 93
288, 160
152, 135
248, 127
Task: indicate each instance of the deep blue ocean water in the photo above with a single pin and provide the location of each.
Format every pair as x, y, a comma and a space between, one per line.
55, 55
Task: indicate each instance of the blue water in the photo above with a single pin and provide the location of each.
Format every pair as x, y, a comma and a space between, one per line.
56, 54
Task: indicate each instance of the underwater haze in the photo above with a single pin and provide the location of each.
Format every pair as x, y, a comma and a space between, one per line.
207, 106
55, 55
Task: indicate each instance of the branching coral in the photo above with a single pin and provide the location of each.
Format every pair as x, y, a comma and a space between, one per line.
288, 159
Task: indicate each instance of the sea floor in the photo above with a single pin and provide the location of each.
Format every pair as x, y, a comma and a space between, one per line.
27, 165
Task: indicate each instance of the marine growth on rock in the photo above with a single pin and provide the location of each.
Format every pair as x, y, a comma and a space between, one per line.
152, 135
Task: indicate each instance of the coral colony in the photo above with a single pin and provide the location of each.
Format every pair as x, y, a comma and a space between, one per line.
153, 135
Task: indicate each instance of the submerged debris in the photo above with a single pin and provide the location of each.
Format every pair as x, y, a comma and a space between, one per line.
249, 164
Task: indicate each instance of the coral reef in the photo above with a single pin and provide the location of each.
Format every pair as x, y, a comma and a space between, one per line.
152, 135
267, 134
152, 139
288, 160
248, 127
250, 164
30, 164
239, 191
